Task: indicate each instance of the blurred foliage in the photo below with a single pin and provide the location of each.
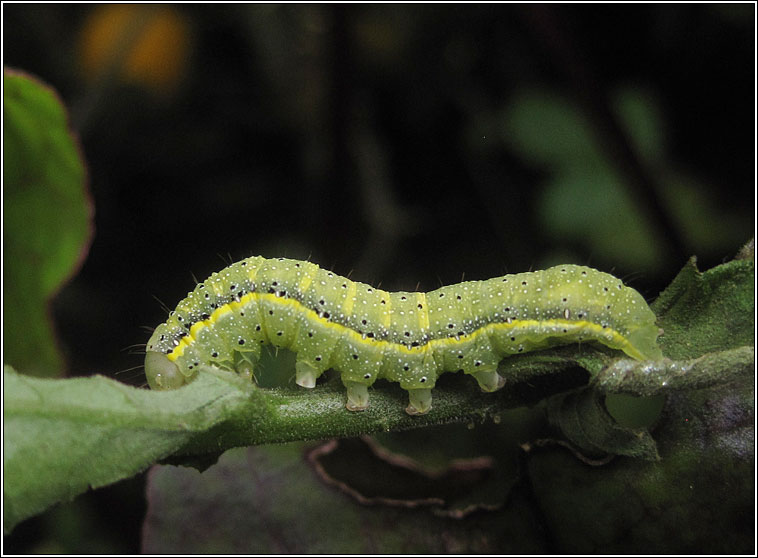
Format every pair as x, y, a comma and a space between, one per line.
47, 219
143, 44
586, 200
585, 194
373, 139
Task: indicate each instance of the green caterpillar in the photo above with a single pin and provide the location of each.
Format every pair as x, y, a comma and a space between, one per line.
407, 337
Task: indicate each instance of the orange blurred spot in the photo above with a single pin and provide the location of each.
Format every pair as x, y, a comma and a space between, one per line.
144, 44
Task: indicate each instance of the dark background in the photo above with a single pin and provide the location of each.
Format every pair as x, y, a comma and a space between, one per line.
379, 141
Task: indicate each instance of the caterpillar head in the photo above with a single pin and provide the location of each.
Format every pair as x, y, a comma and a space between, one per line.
161, 372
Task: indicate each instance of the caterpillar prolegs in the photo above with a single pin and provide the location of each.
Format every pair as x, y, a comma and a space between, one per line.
365, 333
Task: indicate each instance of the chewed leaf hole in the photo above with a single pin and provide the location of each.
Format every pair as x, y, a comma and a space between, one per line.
634, 412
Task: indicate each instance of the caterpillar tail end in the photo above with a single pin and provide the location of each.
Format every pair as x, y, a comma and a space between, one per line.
357, 396
420, 401
489, 380
642, 343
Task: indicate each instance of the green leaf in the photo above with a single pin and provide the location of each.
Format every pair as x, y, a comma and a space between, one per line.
705, 312
698, 499
63, 436
47, 219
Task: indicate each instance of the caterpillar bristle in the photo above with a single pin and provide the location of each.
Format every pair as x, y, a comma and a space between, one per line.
632, 277
130, 375
133, 368
226, 259
163, 305
134, 346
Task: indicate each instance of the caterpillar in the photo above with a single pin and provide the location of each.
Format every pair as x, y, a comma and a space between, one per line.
411, 338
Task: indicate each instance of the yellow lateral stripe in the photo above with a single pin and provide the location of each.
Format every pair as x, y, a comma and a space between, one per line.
187, 340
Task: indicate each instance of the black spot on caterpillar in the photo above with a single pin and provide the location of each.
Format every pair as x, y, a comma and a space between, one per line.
407, 337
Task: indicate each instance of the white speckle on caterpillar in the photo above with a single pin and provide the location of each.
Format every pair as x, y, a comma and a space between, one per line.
366, 334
